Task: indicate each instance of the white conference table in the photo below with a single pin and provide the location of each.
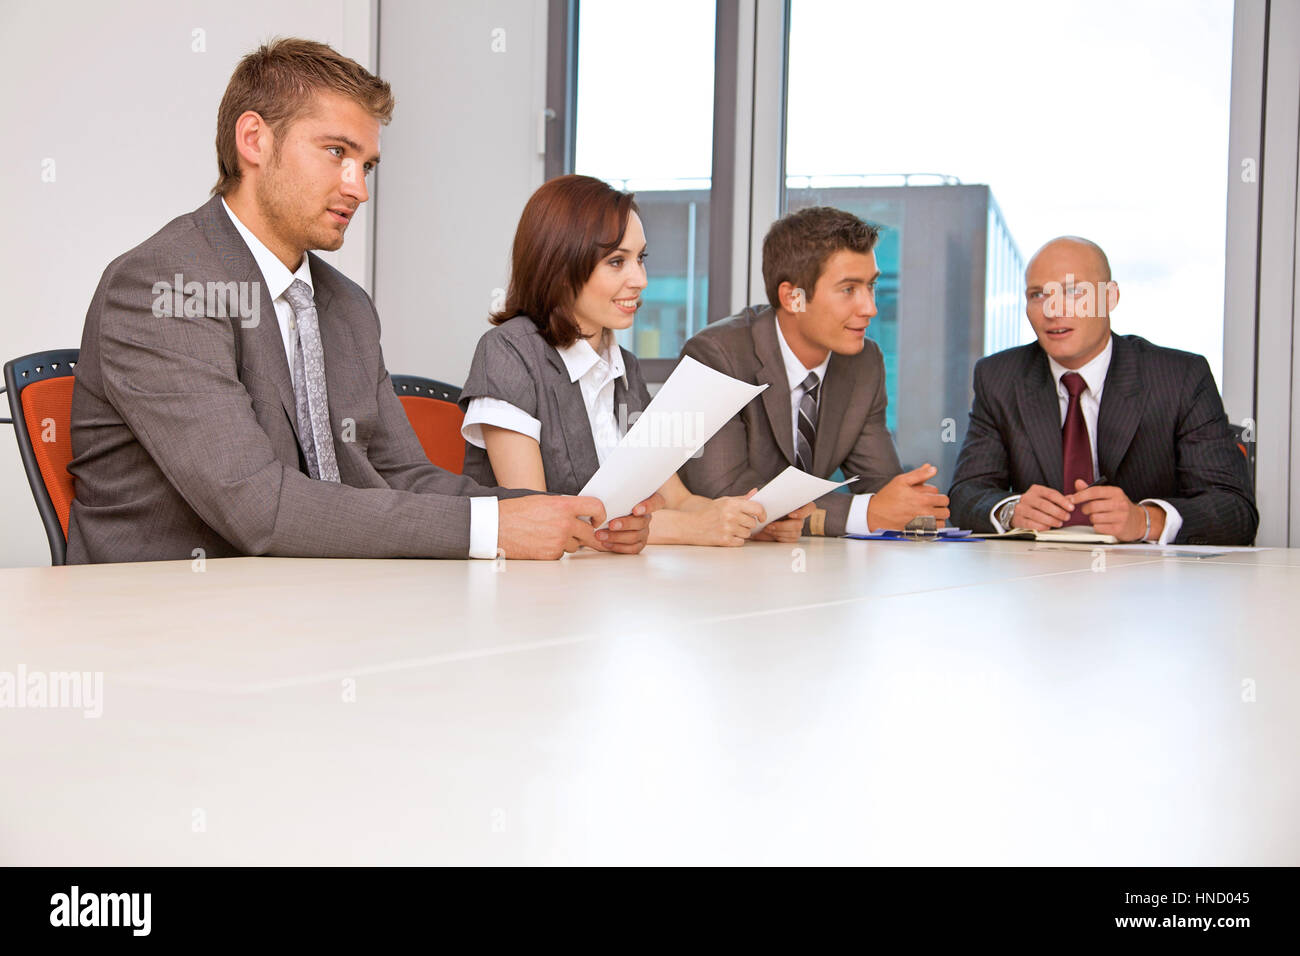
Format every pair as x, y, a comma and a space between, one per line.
890, 703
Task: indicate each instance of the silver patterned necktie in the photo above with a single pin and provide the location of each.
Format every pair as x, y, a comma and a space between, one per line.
309, 385
807, 425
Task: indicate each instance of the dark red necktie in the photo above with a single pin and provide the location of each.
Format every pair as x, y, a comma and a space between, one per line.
1076, 453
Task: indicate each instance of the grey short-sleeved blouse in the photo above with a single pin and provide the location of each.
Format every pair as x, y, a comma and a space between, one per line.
514, 363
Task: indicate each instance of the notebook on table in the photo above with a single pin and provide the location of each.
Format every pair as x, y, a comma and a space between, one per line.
1077, 534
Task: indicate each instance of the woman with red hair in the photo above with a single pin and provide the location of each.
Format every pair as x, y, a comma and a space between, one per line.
550, 393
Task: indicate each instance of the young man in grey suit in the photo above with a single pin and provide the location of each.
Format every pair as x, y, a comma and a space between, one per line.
824, 408
1051, 419
231, 394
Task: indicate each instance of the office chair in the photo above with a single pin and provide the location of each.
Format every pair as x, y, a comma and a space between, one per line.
432, 410
1246, 447
40, 400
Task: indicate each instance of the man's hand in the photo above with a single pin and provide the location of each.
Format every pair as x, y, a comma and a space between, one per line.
904, 498
1110, 511
544, 527
628, 534
787, 529
1041, 508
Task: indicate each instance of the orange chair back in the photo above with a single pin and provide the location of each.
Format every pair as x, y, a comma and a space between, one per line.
47, 409
437, 425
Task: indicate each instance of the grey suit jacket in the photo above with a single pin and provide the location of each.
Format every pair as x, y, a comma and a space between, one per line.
758, 443
513, 363
184, 430
1161, 433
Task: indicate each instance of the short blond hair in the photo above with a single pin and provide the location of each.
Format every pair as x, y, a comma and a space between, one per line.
277, 81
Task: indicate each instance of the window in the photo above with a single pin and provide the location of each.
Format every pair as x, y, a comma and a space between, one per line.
973, 138
644, 123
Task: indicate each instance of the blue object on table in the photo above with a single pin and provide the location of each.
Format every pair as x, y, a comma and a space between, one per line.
942, 534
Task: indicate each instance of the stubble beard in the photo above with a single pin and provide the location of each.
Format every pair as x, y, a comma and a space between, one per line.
276, 200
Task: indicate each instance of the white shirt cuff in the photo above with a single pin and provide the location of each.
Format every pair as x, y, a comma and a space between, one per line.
856, 523
494, 411
1173, 520
484, 515
993, 515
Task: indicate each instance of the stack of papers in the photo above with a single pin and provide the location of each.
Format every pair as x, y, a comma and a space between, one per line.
686, 412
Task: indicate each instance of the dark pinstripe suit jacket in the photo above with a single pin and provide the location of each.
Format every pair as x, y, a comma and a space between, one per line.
184, 430
1161, 433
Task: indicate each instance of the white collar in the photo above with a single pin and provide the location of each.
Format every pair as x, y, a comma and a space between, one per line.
579, 357
1094, 373
277, 275
795, 372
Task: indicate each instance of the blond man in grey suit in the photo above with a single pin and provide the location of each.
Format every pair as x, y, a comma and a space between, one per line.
231, 395
824, 408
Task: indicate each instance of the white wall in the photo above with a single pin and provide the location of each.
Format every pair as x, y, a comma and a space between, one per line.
459, 161
117, 96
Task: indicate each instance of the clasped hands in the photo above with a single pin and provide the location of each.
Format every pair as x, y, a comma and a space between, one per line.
905, 497
1107, 507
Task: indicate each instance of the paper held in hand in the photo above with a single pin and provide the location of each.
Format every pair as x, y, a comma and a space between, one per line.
790, 490
687, 411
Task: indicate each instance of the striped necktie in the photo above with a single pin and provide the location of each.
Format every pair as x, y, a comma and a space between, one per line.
806, 436
309, 385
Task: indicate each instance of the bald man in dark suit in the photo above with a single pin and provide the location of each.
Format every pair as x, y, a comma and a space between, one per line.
1050, 420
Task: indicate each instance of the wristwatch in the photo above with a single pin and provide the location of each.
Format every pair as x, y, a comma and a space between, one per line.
1006, 511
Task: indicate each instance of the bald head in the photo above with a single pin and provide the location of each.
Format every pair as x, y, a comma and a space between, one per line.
1073, 254
1069, 295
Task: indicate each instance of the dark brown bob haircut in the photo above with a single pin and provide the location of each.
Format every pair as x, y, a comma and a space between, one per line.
797, 246
567, 227
278, 81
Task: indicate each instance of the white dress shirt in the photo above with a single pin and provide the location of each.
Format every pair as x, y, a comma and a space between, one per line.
795, 373
278, 278
1094, 376
596, 374
483, 512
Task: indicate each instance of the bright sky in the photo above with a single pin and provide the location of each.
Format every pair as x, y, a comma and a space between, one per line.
1107, 119
645, 90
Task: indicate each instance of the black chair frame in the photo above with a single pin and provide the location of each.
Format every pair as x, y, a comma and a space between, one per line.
20, 373
419, 387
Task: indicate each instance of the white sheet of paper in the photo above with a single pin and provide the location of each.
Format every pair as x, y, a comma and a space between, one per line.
1201, 549
685, 413
790, 490
1167, 550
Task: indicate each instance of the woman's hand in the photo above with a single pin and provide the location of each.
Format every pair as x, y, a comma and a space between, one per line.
727, 522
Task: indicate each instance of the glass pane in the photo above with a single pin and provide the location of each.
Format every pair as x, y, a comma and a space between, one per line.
644, 123
974, 138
